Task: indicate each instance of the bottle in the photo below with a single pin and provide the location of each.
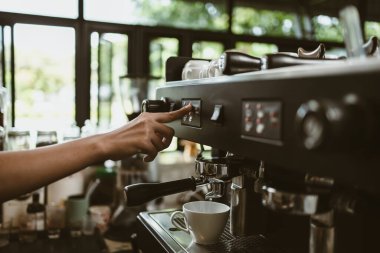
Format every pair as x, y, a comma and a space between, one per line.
235, 62
35, 220
104, 193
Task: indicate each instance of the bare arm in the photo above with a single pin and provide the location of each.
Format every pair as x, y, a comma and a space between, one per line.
25, 171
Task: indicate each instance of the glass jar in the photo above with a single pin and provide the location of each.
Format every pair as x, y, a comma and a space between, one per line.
18, 140
46, 138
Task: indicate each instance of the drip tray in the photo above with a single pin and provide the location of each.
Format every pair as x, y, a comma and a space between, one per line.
176, 240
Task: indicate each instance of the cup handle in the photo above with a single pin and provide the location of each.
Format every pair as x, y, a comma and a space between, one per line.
176, 224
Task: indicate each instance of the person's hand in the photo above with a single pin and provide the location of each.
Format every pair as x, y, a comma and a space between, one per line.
145, 134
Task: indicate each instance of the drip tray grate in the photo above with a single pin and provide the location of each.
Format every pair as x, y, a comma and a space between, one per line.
236, 244
181, 242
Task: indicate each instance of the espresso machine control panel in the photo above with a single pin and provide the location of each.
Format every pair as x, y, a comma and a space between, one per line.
193, 118
261, 121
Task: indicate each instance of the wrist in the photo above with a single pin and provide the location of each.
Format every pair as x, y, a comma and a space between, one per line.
97, 148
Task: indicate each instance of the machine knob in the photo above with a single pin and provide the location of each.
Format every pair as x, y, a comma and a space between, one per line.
332, 123
161, 105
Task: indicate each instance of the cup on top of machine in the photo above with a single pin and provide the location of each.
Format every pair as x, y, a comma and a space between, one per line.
195, 69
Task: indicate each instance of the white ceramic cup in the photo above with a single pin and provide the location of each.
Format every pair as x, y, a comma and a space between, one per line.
205, 220
195, 69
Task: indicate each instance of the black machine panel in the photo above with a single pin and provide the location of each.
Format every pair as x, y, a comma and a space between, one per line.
321, 121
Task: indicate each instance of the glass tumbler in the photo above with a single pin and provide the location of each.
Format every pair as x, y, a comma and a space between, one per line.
55, 220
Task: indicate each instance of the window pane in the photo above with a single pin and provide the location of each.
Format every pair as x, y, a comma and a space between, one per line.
327, 28
109, 53
56, 8
209, 15
45, 89
160, 50
207, 49
256, 49
247, 20
372, 29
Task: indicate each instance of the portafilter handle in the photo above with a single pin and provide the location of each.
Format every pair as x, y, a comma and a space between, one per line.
137, 194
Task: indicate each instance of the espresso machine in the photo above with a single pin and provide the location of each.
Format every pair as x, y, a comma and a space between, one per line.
296, 153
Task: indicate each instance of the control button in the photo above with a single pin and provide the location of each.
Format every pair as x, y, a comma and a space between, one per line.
248, 119
217, 115
248, 112
193, 118
248, 126
260, 114
274, 118
260, 128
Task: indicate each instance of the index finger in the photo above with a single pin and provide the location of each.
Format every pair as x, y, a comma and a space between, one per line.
170, 116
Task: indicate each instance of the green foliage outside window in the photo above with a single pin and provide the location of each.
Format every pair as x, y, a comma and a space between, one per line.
256, 49
207, 50
327, 28
184, 14
263, 22
160, 50
372, 29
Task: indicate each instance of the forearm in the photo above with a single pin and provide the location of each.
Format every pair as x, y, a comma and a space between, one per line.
26, 171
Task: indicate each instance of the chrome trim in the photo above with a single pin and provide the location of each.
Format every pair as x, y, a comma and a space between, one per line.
289, 202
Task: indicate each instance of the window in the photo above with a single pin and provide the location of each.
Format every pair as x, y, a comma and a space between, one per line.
160, 50
207, 49
372, 29
248, 20
56, 8
327, 28
109, 52
256, 49
44, 80
209, 15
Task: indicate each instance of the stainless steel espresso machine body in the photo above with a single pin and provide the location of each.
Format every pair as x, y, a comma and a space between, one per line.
302, 157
